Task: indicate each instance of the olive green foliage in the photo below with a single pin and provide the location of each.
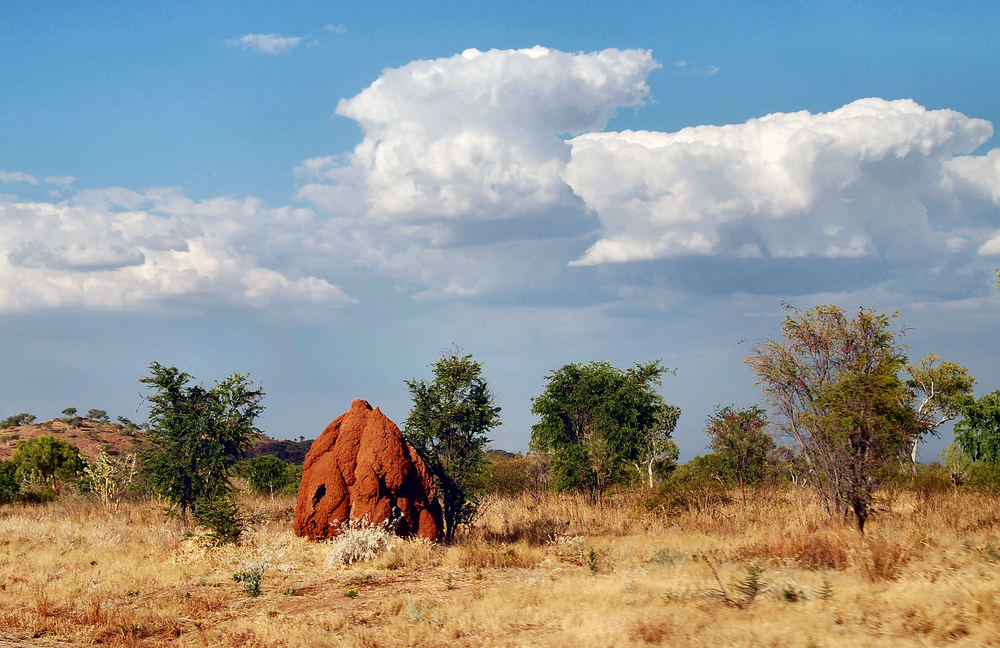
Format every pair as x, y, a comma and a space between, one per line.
10, 487
939, 390
196, 434
705, 469
98, 414
269, 475
833, 381
740, 437
598, 421
658, 451
448, 423
978, 432
221, 516
71, 417
702, 483
516, 474
18, 419
46, 461
784, 466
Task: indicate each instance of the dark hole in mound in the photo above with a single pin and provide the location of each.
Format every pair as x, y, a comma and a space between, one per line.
320, 492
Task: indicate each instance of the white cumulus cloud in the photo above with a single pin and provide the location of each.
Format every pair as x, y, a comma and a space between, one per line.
862, 180
979, 174
477, 135
265, 43
120, 249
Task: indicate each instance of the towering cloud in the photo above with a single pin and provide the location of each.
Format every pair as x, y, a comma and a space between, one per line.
862, 180
477, 135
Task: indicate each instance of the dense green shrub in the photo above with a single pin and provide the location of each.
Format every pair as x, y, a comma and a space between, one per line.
701, 483
220, 516
9, 485
447, 425
45, 460
598, 422
512, 475
267, 475
984, 476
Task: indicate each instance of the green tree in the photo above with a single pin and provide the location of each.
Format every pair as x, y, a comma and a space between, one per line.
978, 431
9, 484
130, 426
863, 427
16, 420
597, 420
97, 414
46, 460
69, 411
833, 382
659, 445
196, 434
741, 437
448, 423
266, 474
939, 389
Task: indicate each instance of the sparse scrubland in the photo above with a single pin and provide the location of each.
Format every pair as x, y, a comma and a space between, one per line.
534, 569
597, 539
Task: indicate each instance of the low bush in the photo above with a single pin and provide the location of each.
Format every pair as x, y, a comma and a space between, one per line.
983, 476
823, 549
511, 475
268, 475
221, 517
250, 577
10, 487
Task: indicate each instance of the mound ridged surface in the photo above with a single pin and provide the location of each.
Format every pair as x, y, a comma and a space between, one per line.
361, 471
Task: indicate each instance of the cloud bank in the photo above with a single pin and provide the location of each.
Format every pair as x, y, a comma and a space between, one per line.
491, 175
120, 249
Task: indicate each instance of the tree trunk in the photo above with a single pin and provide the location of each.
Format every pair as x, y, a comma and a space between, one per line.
743, 491
861, 513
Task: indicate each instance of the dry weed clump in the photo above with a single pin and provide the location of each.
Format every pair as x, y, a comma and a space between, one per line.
884, 559
360, 541
497, 557
822, 549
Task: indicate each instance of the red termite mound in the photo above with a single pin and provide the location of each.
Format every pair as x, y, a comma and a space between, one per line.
360, 468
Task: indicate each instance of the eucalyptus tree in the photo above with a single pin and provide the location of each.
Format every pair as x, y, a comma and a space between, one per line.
597, 420
833, 382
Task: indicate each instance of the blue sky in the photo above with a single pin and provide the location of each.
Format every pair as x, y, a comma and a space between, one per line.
330, 196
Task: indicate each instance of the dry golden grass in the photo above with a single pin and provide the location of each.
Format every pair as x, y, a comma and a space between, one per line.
548, 572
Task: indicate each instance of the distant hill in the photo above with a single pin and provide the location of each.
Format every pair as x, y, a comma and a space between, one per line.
91, 436
290, 451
